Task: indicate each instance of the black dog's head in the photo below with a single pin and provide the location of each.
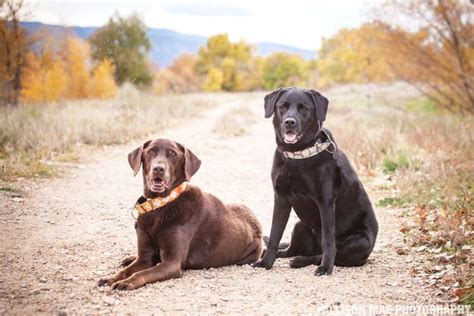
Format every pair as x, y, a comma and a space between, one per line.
298, 115
166, 164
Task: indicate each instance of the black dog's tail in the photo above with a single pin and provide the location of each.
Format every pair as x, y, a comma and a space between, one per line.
281, 246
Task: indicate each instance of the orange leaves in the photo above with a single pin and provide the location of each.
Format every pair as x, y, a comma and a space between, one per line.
51, 76
44, 79
102, 84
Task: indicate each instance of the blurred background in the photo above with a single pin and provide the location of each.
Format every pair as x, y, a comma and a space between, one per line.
399, 75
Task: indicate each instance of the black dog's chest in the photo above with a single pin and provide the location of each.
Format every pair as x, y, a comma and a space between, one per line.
290, 181
291, 185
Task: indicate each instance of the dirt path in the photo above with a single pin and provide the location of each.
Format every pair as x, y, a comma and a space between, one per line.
68, 232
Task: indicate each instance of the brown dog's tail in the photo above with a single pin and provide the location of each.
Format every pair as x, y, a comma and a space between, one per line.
281, 246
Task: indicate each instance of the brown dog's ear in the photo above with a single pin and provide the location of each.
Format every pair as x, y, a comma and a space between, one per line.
271, 99
135, 157
191, 163
320, 105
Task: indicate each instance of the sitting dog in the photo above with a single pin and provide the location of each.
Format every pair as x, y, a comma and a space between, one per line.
179, 227
314, 177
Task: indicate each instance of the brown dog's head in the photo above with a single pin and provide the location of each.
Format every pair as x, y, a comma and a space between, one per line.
298, 115
166, 164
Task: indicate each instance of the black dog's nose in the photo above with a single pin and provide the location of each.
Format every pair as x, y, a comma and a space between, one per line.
290, 122
159, 169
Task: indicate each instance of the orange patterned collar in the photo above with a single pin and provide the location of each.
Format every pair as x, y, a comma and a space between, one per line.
153, 204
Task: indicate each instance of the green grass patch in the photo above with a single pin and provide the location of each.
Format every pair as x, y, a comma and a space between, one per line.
390, 165
422, 105
396, 202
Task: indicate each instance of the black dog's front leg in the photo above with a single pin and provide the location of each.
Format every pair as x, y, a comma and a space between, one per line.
281, 213
328, 237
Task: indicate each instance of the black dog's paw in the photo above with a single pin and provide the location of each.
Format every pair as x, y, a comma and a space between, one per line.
322, 270
301, 262
263, 263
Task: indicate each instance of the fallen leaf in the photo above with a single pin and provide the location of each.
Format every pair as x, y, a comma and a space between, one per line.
460, 293
405, 229
401, 251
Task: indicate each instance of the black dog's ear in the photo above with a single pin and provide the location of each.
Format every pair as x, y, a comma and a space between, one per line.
270, 101
135, 157
191, 163
320, 104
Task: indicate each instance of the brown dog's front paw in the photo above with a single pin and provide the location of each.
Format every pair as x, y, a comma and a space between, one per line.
322, 270
123, 286
104, 282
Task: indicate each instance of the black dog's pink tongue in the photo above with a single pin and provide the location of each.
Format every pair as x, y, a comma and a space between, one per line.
290, 137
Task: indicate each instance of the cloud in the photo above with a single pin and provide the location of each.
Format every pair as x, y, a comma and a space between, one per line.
206, 9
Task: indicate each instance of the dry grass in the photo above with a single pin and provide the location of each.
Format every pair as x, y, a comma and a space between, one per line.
429, 158
34, 138
234, 122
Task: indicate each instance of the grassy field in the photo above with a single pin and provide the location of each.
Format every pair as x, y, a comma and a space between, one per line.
428, 157
388, 129
36, 139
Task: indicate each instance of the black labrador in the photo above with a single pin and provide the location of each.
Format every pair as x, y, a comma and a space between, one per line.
314, 177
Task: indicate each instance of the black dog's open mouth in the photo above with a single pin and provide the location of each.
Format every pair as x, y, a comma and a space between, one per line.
158, 185
290, 137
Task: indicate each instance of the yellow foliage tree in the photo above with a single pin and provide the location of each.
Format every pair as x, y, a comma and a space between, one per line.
214, 80
76, 52
102, 83
226, 59
50, 76
354, 55
44, 80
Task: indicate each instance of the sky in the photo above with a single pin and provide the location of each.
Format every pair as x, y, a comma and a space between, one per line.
296, 23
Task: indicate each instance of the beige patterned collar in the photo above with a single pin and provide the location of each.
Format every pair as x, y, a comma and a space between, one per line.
152, 204
311, 151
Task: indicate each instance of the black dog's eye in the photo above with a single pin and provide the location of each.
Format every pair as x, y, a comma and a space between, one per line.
283, 107
301, 107
172, 153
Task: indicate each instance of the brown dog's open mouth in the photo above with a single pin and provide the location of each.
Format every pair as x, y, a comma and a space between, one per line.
290, 137
158, 185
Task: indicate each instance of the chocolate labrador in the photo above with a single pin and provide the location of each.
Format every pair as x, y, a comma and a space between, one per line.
179, 226
314, 177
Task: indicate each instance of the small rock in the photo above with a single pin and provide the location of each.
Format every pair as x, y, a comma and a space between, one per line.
110, 301
43, 280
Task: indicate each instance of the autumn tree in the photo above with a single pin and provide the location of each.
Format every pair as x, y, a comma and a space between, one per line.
437, 54
12, 51
75, 53
102, 83
354, 55
225, 65
283, 69
61, 70
45, 78
125, 43
179, 77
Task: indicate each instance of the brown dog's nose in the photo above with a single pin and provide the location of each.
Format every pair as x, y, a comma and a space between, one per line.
159, 169
290, 122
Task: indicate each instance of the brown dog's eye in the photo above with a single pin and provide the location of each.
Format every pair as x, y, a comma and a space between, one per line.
172, 153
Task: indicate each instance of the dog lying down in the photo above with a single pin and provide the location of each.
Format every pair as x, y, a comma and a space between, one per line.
180, 227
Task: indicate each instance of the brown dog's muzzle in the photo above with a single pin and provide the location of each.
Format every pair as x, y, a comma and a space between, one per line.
159, 177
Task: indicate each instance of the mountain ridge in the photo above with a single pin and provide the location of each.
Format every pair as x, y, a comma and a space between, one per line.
166, 44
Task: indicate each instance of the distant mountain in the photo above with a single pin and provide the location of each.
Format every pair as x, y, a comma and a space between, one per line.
167, 45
